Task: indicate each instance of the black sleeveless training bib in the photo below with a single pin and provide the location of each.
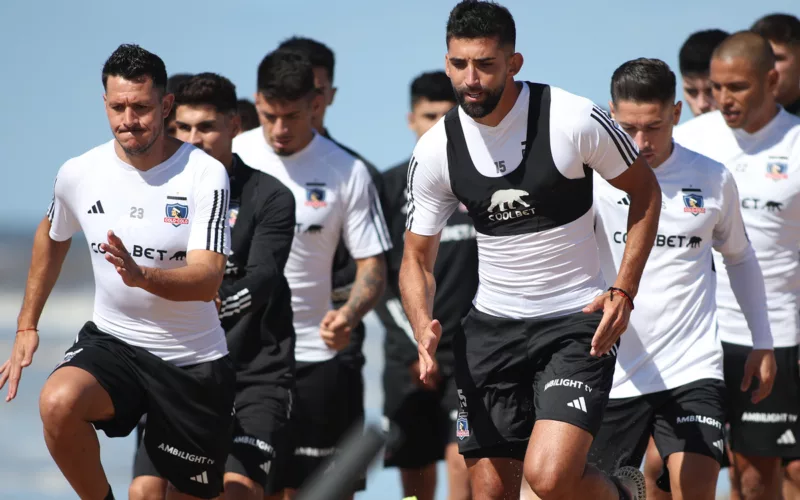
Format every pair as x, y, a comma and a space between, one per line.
535, 196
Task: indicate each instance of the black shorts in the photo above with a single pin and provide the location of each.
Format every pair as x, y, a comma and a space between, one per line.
321, 417
511, 373
261, 446
260, 442
689, 418
769, 428
420, 423
190, 408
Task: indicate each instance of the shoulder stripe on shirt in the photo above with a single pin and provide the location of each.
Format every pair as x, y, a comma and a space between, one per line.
412, 169
378, 221
620, 133
624, 147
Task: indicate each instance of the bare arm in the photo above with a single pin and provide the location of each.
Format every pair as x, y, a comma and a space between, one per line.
367, 288
417, 284
47, 258
199, 280
641, 184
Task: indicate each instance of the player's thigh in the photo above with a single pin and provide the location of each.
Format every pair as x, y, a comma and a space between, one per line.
693, 476
770, 428
98, 380
261, 445
189, 426
318, 422
623, 435
494, 380
494, 477
146, 487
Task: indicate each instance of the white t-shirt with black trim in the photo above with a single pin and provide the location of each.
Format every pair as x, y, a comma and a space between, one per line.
160, 215
672, 337
766, 166
542, 274
335, 198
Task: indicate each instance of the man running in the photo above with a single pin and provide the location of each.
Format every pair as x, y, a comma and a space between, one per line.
760, 144
334, 199
323, 62
783, 33
254, 300
155, 344
535, 361
412, 447
668, 380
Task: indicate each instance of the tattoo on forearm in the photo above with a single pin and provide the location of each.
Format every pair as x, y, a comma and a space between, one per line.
367, 289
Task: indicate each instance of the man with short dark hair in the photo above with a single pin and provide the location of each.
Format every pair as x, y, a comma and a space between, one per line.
693, 60
153, 211
783, 33
247, 114
759, 143
668, 380
535, 361
323, 62
335, 200
412, 447
173, 82
254, 300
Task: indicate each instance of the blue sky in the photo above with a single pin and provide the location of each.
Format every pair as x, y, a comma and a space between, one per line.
51, 94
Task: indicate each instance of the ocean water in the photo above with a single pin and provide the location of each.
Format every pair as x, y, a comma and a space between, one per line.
26, 469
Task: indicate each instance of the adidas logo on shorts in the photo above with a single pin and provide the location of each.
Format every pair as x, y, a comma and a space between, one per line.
200, 478
578, 404
718, 444
787, 438
266, 466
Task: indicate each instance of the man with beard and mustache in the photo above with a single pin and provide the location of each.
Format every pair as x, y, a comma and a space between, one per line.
155, 344
535, 361
759, 142
783, 33
335, 199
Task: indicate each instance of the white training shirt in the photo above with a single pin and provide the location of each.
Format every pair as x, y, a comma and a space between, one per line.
766, 166
160, 215
335, 198
545, 274
672, 335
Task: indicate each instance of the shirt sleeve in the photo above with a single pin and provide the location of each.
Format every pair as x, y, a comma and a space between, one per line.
602, 144
270, 245
209, 222
431, 201
364, 229
63, 222
741, 264
730, 235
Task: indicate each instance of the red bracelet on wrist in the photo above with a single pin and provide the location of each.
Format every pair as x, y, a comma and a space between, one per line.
621, 292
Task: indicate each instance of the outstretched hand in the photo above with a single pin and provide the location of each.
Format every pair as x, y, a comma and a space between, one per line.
118, 255
616, 314
426, 348
25, 344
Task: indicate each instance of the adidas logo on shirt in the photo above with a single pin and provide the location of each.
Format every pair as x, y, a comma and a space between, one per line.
625, 201
97, 208
718, 444
578, 404
200, 478
787, 438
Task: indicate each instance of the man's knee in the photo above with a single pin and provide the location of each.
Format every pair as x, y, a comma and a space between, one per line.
549, 479
757, 475
147, 488
793, 472
73, 393
239, 487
